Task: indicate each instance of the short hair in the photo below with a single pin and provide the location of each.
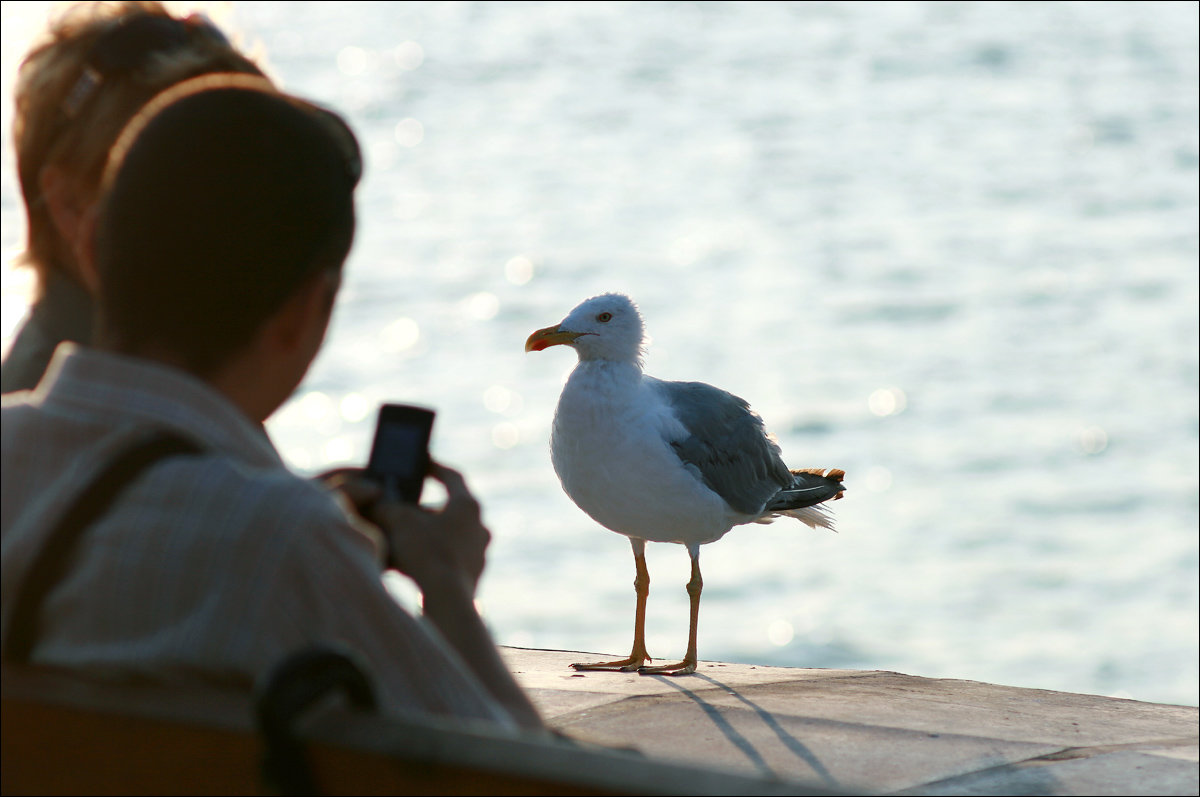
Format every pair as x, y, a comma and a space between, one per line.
222, 197
48, 128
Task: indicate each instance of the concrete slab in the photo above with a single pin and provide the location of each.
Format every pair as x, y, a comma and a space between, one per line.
1114, 774
870, 731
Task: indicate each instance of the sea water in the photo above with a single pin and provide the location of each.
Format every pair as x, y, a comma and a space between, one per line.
950, 248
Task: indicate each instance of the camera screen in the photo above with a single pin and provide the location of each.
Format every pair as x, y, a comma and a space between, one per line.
398, 451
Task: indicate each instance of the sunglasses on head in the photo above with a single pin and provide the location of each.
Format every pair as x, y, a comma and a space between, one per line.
127, 47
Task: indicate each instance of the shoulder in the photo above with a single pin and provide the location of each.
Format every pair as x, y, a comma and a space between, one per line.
254, 507
226, 480
16, 409
703, 408
700, 392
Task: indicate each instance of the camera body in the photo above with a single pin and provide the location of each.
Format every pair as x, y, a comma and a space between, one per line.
400, 452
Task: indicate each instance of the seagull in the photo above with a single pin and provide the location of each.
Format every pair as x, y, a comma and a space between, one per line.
660, 461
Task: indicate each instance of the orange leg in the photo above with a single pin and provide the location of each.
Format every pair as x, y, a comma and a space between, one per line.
641, 585
694, 587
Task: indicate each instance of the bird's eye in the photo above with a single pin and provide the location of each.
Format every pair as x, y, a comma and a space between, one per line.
604, 318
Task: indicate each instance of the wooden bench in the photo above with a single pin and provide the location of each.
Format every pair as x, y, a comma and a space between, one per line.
66, 733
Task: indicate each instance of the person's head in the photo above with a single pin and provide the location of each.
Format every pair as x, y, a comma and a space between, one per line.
97, 65
222, 202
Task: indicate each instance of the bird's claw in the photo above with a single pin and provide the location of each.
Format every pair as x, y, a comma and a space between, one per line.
624, 665
681, 668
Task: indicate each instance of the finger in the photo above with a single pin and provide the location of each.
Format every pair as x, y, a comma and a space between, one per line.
354, 480
360, 490
459, 498
337, 475
362, 493
390, 512
451, 479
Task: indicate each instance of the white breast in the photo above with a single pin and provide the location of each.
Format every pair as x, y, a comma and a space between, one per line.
610, 446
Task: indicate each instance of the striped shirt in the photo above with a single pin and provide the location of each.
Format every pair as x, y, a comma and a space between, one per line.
213, 567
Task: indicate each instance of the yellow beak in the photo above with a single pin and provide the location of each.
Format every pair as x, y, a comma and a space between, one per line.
550, 336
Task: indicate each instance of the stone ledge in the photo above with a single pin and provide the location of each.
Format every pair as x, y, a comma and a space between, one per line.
871, 731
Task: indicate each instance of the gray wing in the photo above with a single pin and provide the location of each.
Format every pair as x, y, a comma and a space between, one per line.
727, 443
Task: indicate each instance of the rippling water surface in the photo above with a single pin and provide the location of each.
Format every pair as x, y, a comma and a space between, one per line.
948, 247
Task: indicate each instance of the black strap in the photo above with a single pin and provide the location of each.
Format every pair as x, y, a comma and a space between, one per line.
288, 691
55, 555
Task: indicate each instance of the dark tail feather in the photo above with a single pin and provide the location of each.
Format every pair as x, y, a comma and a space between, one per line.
810, 486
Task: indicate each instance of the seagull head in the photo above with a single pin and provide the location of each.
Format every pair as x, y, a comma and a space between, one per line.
606, 327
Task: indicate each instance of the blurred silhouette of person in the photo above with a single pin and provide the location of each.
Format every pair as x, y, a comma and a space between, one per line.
95, 66
226, 218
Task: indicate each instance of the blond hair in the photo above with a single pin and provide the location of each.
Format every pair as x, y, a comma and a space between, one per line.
49, 130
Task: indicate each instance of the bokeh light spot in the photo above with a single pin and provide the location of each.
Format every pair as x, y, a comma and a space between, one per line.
780, 633
409, 132
887, 401
499, 399
338, 450
400, 335
352, 61
354, 407
315, 405
1092, 440
409, 55
505, 435
519, 270
481, 306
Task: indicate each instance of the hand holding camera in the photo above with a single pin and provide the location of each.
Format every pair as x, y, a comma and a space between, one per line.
439, 548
